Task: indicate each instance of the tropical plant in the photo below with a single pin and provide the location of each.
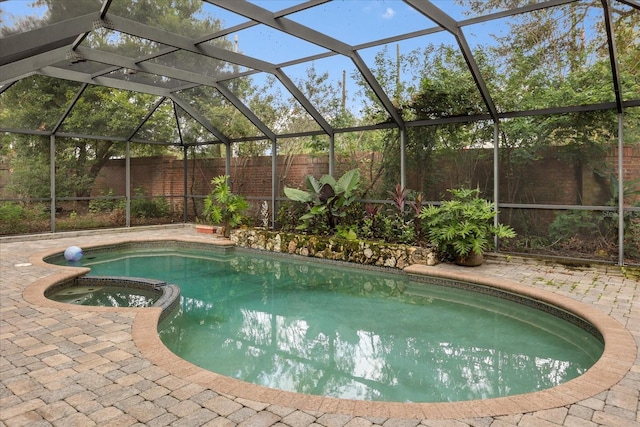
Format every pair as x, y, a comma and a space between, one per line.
463, 226
223, 207
327, 199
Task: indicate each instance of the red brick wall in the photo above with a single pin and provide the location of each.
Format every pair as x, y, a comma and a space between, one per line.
550, 180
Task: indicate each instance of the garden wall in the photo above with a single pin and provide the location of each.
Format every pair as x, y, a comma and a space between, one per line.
549, 180
356, 251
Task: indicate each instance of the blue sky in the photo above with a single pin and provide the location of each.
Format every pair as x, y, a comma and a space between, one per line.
352, 21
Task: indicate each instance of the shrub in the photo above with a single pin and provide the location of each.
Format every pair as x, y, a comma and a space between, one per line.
10, 212
106, 204
150, 208
327, 201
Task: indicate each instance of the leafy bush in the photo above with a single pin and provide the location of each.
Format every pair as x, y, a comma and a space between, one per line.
463, 225
150, 208
288, 214
10, 212
106, 204
327, 201
18, 219
223, 207
572, 224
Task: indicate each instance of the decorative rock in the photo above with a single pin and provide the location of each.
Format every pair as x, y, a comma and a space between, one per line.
277, 244
431, 259
362, 252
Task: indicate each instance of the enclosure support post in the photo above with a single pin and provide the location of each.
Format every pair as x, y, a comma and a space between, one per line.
274, 180
227, 158
403, 166
127, 182
185, 166
496, 177
52, 180
620, 189
332, 154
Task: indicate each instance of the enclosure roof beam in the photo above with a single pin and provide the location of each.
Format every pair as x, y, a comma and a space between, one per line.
232, 98
306, 104
69, 108
613, 58
103, 81
35, 42
28, 66
199, 118
104, 8
515, 11
256, 13
432, 12
146, 117
632, 3
147, 32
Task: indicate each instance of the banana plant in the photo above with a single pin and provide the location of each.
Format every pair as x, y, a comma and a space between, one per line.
326, 198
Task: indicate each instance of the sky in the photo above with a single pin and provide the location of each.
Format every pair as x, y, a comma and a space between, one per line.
351, 21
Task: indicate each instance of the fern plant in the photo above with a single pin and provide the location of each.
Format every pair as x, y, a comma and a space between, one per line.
463, 225
223, 207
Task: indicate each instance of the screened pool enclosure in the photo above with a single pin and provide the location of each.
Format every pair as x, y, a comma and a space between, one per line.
120, 112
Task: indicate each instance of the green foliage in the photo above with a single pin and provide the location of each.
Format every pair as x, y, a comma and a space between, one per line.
573, 223
150, 208
222, 206
141, 206
327, 200
10, 212
288, 215
106, 203
463, 224
347, 232
632, 236
17, 219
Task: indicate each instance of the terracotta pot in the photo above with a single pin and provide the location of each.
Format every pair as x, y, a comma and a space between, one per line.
472, 260
209, 229
206, 229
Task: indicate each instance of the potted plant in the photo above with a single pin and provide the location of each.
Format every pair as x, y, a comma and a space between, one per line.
222, 207
463, 228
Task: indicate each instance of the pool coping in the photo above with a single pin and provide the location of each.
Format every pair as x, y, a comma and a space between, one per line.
616, 361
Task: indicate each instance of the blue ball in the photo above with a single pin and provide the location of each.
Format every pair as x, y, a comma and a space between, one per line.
73, 253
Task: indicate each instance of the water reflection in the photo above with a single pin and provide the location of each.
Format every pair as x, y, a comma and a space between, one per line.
348, 333
355, 335
106, 296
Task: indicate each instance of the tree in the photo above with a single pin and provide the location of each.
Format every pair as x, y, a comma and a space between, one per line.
39, 102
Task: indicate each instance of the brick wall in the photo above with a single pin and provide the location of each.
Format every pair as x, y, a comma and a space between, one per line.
549, 180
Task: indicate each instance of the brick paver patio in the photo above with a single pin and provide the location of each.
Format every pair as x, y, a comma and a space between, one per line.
76, 366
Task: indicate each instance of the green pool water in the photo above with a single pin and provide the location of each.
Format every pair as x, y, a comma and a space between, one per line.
106, 296
315, 328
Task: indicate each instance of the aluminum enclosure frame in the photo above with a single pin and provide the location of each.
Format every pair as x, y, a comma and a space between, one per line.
38, 51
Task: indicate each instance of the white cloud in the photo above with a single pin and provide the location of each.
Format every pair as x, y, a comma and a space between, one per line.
389, 13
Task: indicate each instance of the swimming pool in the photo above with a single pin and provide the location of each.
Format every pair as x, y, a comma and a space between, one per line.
316, 328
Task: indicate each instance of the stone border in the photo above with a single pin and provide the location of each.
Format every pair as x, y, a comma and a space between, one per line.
371, 253
617, 359
167, 296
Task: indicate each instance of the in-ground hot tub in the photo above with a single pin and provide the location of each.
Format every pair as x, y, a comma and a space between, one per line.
114, 291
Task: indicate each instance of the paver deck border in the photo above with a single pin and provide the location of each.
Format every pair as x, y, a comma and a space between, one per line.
617, 359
